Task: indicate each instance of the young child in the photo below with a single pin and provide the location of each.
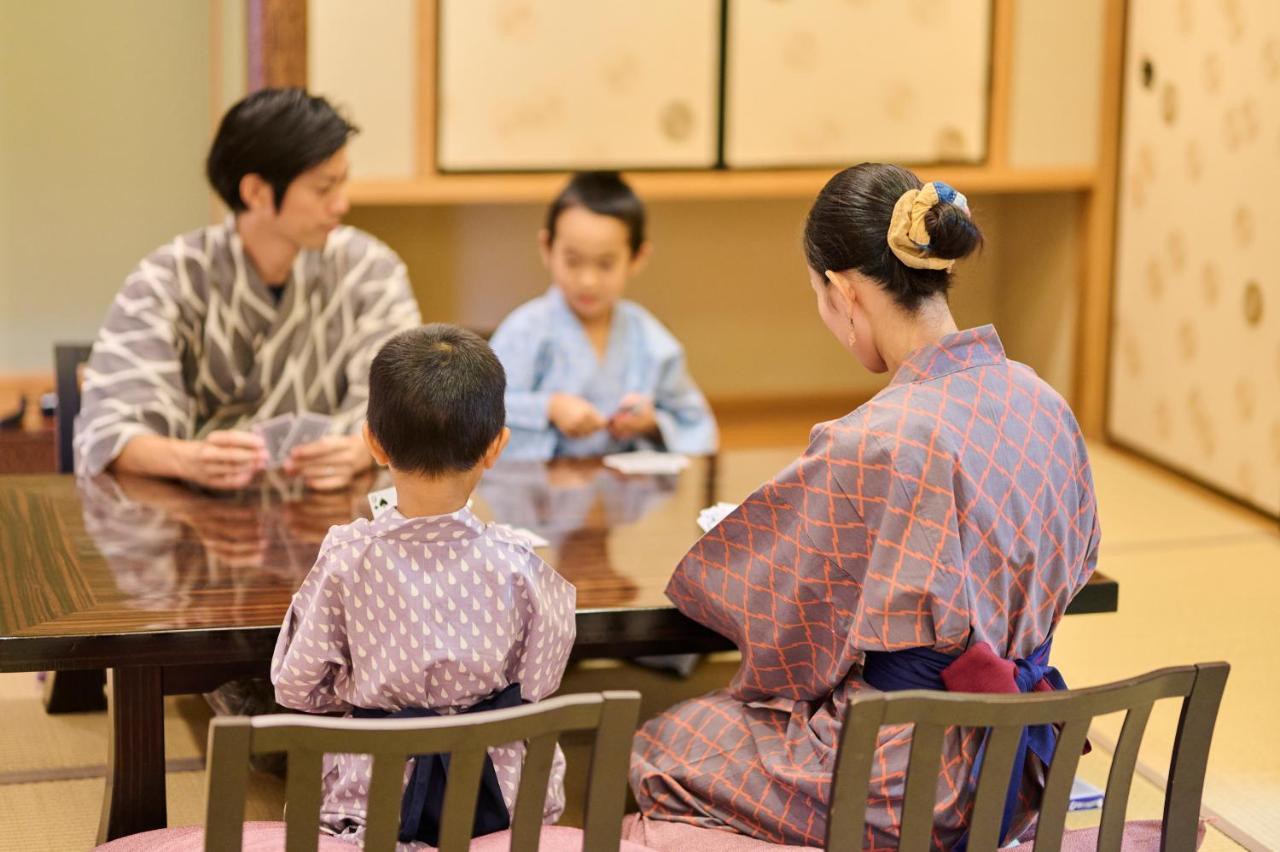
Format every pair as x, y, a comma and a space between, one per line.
426, 607
589, 372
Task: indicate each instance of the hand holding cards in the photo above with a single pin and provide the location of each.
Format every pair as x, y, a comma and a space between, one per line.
282, 434
634, 418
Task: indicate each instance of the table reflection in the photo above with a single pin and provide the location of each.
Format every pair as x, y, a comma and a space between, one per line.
167, 545
577, 505
194, 558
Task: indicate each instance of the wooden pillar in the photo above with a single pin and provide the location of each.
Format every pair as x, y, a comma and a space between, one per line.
1098, 232
277, 49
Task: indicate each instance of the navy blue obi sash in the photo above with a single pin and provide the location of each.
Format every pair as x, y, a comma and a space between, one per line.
978, 669
423, 802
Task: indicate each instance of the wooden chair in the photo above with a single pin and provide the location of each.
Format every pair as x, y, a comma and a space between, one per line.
465, 737
930, 712
76, 691
67, 360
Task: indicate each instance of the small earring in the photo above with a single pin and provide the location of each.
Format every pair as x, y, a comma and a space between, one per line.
852, 337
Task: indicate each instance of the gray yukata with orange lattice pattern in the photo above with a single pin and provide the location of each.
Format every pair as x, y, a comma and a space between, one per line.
956, 506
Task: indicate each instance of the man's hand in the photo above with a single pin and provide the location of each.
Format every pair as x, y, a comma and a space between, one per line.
225, 460
329, 463
574, 416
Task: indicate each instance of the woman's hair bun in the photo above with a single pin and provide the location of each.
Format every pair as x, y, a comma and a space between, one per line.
952, 234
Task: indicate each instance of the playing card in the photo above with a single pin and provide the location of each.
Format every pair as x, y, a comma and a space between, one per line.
307, 427
383, 500
713, 515
647, 461
275, 433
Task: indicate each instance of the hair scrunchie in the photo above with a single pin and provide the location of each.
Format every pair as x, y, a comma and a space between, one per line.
908, 237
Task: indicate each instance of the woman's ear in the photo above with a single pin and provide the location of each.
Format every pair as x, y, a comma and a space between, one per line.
375, 449
843, 294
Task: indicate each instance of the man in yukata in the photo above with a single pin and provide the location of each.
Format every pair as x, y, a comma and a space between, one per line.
275, 311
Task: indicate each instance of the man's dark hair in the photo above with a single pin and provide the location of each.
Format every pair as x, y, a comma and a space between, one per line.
436, 399
604, 193
275, 133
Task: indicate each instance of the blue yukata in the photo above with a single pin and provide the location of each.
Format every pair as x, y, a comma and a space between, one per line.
545, 350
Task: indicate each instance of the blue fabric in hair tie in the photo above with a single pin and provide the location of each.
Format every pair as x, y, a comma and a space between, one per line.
948, 195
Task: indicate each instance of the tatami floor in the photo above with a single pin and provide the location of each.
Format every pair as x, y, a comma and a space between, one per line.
1199, 580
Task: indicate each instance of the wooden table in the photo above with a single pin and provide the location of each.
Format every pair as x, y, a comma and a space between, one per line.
177, 591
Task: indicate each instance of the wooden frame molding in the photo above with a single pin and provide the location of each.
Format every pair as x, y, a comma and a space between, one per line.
277, 49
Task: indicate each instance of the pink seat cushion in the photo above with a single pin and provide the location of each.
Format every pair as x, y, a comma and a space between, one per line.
664, 835
555, 838
269, 837
1140, 835
258, 837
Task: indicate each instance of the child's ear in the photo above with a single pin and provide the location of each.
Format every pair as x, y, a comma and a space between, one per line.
641, 257
375, 449
495, 449
544, 247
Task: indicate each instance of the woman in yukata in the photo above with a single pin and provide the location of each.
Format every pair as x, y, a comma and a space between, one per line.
588, 372
950, 518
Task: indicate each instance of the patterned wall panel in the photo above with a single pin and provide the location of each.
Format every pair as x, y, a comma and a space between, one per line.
1195, 372
838, 81
364, 57
578, 83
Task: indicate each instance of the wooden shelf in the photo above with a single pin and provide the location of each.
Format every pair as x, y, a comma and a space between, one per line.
697, 185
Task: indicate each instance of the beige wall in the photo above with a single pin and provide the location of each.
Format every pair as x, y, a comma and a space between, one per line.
727, 277
104, 121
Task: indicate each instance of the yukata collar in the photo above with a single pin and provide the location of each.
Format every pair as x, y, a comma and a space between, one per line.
973, 347
392, 519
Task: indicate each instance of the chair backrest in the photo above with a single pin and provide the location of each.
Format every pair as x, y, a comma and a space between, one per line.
1200, 688
67, 358
465, 737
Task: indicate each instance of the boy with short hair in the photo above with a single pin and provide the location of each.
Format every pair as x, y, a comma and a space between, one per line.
426, 608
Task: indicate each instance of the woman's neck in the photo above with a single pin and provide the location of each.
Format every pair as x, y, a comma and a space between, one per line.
271, 254
905, 333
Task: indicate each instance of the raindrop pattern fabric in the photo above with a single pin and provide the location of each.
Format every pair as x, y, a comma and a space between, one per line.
434, 612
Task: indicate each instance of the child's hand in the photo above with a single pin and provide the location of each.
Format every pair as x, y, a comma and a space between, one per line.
634, 418
574, 416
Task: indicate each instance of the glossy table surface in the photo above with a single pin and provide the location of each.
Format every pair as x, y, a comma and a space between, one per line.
129, 571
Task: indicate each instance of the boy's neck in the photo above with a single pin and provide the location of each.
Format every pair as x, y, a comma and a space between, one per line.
421, 497
597, 330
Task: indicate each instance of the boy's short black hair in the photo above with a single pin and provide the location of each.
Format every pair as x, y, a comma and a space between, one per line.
275, 133
436, 399
605, 193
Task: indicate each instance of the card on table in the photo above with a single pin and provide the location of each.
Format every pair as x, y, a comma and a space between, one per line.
647, 461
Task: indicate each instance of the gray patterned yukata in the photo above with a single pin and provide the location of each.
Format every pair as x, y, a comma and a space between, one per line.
195, 341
